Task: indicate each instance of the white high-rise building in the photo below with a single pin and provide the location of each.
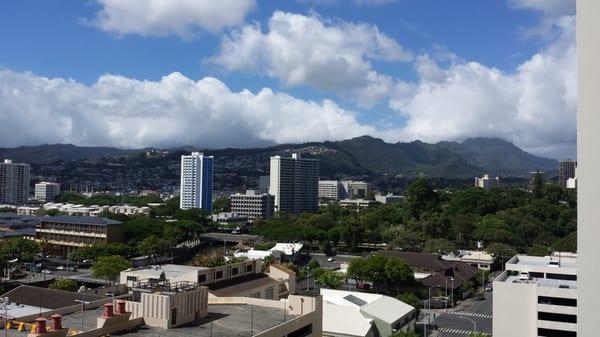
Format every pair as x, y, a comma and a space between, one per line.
294, 182
46, 191
14, 182
536, 296
486, 182
196, 181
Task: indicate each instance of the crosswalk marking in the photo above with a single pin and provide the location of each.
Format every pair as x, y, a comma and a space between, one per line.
470, 314
461, 331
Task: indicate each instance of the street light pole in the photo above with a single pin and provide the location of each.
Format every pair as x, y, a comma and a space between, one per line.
429, 310
472, 321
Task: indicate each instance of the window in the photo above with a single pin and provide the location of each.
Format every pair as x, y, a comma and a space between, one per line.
548, 316
174, 316
219, 275
561, 277
269, 293
302, 332
132, 278
249, 268
555, 333
536, 274
234, 271
202, 278
568, 302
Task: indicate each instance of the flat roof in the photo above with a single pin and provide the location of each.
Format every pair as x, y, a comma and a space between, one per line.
80, 220
47, 298
544, 282
227, 320
170, 270
566, 263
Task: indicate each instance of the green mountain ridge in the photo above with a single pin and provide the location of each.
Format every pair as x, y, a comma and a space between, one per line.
352, 157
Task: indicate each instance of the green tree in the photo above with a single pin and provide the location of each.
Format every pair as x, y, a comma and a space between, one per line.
501, 251
538, 186
439, 246
358, 270
153, 245
328, 278
409, 333
64, 284
411, 299
109, 267
52, 212
421, 197
398, 272
222, 204
538, 250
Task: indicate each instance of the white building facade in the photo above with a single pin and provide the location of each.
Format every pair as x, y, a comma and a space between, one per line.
294, 182
487, 182
46, 191
253, 205
14, 182
196, 181
331, 190
536, 296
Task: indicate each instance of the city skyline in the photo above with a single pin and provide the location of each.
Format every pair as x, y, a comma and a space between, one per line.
391, 69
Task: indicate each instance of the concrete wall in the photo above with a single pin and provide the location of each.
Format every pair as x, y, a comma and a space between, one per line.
311, 311
515, 309
588, 184
157, 309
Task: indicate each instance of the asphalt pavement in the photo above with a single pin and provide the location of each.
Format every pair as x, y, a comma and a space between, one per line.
466, 319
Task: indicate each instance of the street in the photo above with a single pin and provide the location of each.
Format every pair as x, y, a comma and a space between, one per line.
462, 322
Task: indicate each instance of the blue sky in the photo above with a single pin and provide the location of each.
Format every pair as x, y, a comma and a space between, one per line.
431, 51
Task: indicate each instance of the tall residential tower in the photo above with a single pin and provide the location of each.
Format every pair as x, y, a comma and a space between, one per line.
567, 169
294, 184
14, 182
196, 181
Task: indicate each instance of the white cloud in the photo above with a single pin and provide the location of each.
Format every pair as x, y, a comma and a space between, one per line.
554, 8
534, 107
551, 10
373, 3
171, 17
176, 110
329, 55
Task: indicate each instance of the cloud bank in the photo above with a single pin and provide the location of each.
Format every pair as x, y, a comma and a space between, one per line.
331, 55
172, 17
176, 110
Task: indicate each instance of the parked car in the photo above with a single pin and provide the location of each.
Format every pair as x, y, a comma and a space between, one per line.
480, 296
60, 268
489, 287
46, 271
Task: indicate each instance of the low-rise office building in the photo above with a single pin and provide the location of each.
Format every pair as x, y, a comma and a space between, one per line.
478, 259
29, 210
357, 204
46, 191
253, 205
331, 190
389, 198
358, 314
229, 218
536, 296
63, 232
237, 279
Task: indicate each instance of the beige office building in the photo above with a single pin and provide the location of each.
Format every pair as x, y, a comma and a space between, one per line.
536, 296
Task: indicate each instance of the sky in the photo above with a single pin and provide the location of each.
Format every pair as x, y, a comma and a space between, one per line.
244, 73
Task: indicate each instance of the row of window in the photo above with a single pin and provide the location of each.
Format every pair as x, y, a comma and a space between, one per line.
555, 333
567, 302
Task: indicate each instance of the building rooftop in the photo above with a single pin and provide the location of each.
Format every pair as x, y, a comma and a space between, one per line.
47, 298
343, 311
170, 270
227, 320
287, 248
80, 220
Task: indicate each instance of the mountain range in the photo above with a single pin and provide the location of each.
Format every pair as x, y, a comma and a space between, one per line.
357, 156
